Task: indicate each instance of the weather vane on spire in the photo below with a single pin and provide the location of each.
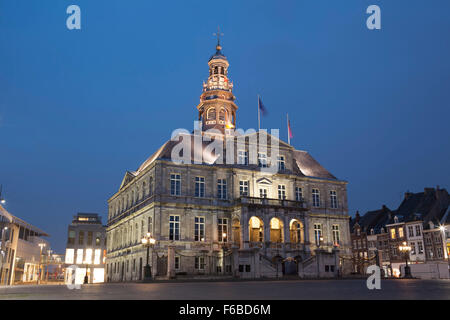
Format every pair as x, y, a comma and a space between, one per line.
218, 34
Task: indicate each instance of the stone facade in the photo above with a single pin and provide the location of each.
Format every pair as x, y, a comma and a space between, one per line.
223, 217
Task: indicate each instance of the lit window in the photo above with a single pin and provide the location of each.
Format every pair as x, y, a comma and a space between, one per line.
88, 258
199, 229
200, 187
336, 236
222, 229
97, 255
70, 255
79, 256
392, 233
400, 232
317, 232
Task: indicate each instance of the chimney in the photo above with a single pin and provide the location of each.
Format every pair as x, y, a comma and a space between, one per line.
357, 216
408, 195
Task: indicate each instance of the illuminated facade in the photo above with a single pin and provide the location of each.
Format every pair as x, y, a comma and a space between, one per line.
225, 215
86, 249
21, 256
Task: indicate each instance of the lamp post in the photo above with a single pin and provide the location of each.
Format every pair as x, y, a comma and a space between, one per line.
148, 241
405, 249
41, 246
444, 241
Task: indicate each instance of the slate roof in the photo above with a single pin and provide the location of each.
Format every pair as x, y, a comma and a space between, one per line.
304, 164
430, 205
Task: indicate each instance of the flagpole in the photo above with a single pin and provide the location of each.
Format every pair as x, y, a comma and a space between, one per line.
289, 135
259, 119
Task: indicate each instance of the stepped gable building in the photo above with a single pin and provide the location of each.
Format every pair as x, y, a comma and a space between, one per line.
224, 212
418, 221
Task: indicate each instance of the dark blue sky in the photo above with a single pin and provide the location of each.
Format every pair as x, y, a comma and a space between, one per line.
79, 108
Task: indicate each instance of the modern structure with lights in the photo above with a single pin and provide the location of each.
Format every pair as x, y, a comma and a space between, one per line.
23, 251
85, 250
224, 214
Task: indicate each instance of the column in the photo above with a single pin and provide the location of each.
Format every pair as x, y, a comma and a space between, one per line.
215, 235
171, 262
244, 229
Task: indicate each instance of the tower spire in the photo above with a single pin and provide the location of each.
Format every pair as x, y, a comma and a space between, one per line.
218, 34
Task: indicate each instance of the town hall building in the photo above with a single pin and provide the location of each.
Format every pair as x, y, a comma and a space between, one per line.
219, 209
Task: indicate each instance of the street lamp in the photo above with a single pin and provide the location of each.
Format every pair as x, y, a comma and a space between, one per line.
41, 246
444, 241
148, 241
405, 249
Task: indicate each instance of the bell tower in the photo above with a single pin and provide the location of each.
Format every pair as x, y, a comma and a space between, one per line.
217, 108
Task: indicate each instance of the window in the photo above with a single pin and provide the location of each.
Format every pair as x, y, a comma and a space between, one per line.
420, 247
222, 188
410, 231
199, 229
175, 184
243, 188
200, 187
262, 160
79, 256
174, 227
298, 194
243, 157
317, 232
400, 232
70, 255
281, 192
71, 239
222, 229
413, 247
418, 230
81, 237
333, 199
177, 262
200, 263
392, 233
280, 162
263, 193
336, 238
150, 225
97, 255
88, 258
315, 197
89, 238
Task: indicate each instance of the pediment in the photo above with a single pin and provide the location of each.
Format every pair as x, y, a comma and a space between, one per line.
264, 181
127, 179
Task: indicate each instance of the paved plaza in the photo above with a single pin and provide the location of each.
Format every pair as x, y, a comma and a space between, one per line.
239, 290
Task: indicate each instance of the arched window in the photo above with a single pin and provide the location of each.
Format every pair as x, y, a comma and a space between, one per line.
211, 115
216, 70
222, 114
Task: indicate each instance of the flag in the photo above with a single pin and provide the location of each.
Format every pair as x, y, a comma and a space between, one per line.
261, 107
290, 130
